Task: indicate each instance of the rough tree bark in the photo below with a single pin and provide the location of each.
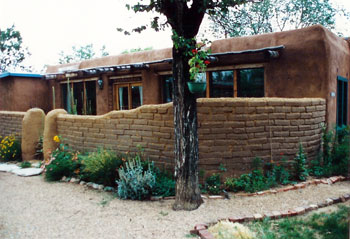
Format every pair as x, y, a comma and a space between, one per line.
185, 113
186, 141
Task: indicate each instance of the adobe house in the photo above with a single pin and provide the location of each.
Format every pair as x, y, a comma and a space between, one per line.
309, 62
23, 91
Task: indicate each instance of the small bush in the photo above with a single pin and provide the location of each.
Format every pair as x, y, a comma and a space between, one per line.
10, 148
251, 182
25, 165
300, 165
213, 184
165, 184
63, 162
135, 183
101, 167
229, 230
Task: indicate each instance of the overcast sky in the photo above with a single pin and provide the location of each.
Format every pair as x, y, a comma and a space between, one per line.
49, 26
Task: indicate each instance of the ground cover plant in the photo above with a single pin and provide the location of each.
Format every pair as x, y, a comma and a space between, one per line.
10, 148
333, 225
260, 178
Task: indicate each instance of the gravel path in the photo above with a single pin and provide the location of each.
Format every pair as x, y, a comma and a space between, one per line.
33, 208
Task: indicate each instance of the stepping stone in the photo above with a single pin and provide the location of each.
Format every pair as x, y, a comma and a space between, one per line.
8, 167
27, 172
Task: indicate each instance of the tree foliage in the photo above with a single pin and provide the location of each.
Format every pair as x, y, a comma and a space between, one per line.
274, 15
12, 52
80, 53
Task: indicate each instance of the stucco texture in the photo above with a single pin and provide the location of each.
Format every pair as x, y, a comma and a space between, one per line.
50, 131
32, 130
24, 93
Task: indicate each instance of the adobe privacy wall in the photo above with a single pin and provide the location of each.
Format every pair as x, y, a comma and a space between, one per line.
232, 131
11, 122
27, 126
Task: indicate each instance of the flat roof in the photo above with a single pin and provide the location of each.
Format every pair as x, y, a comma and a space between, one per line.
9, 74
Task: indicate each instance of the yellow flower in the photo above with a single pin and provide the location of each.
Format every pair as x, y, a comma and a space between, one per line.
56, 139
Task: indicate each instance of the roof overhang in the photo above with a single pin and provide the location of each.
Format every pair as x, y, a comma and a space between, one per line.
256, 55
25, 75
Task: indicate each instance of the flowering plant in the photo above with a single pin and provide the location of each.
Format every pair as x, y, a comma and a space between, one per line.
10, 148
198, 62
63, 161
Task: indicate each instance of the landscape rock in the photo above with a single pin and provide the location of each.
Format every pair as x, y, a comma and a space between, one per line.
8, 167
109, 189
27, 172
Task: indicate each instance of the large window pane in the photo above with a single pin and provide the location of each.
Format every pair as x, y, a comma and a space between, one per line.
136, 96
250, 83
123, 96
221, 84
168, 89
90, 97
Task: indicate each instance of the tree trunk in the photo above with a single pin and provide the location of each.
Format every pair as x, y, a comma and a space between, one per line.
186, 140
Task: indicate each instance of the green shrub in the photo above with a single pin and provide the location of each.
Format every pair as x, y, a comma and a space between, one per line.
101, 167
63, 162
213, 184
251, 182
300, 169
25, 165
165, 184
135, 183
334, 158
10, 148
277, 173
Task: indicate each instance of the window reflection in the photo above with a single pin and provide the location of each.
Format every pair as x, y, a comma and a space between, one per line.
221, 84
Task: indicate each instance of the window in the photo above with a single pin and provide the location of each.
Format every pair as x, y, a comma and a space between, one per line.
128, 96
237, 83
79, 97
168, 82
250, 82
342, 101
221, 84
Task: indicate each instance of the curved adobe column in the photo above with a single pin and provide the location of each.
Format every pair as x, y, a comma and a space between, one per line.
32, 129
50, 131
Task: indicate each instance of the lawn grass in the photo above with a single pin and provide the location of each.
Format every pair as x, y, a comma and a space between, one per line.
333, 225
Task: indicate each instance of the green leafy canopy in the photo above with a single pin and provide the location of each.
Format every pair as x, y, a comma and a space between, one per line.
12, 52
274, 15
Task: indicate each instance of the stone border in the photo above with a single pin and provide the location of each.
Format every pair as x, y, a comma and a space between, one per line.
328, 181
202, 229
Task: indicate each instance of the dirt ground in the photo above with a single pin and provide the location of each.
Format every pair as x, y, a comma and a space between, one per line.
33, 208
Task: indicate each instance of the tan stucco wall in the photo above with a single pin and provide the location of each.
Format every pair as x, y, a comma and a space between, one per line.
151, 87
231, 131
24, 93
102, 97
